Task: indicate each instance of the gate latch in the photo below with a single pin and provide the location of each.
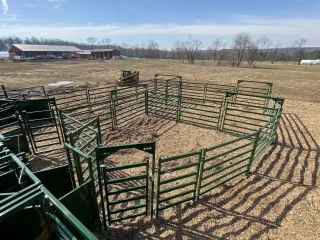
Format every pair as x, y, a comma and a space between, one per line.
151, 177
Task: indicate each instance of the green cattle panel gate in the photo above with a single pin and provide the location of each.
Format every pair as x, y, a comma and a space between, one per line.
119, 206
224, 162
128, 104
40, 119
23, 93
126, 188
163, 105
196, 111
178, 184
254, 88
245, 118
80, 147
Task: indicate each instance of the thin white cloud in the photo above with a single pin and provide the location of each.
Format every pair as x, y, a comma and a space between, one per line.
55, 1
5, 6
279, 30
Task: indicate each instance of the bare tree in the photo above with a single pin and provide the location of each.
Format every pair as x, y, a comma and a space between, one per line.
274, 52
92, 41
299, 49
124, 47
215, 48
152, 49
106, 42
191, 48
253, 53
240, 43
263, 43
178, 50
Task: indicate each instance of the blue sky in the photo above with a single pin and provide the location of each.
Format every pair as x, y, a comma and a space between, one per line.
165, 21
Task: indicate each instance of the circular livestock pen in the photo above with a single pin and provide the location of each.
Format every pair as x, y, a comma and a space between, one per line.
139, 150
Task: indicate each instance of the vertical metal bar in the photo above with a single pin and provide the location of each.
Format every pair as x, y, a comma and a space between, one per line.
255, 143
71, 167
155, 85
178, 108
27, 129
22, 129
146, 102
166, 93
30, 130
4, 91
158, 189
224, 111
147, 185
201, 159
205, 92
99, 138
236, 90
76, 160
88, 98
89, 162
220, 114
44, 91
107, 196
55, 122
153, 175
64, 129
101, 187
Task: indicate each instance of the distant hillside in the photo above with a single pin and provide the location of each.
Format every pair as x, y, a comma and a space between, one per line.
291, 50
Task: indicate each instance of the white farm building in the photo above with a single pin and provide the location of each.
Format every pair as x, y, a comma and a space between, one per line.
310, 62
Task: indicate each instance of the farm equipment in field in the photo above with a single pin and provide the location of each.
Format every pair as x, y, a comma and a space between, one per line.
128, 77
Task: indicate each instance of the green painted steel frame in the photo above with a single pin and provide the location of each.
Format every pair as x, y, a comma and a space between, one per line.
34, 193
102, 152
161, 172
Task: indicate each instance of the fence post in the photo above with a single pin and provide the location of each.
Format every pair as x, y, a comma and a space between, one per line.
71, 167
158, 188
205, 92
63, 127
88, 98
179, 108
155, 85
113, 109
152, 178
146, 102
99, 138
255, 143
166, 96
27, 129
200, 172
223, 111
4, 91
99, 167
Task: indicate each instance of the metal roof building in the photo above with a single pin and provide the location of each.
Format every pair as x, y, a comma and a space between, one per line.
42, 51
44, 48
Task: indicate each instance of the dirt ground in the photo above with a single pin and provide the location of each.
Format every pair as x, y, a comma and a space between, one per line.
279, 200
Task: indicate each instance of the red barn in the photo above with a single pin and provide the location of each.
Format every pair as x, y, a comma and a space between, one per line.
105, 53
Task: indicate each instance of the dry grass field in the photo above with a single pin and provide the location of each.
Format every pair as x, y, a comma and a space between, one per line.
279, 200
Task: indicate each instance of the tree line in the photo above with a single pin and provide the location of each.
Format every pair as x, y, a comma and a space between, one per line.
244, 48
